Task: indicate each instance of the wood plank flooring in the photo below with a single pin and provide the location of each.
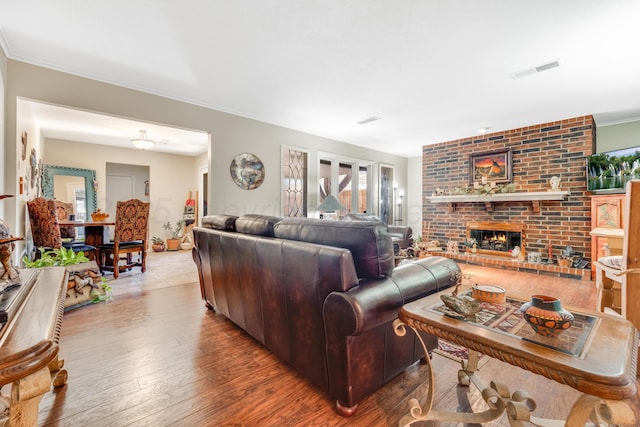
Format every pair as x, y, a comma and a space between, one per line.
155, 356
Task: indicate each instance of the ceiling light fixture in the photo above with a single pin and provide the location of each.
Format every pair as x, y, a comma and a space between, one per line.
484, 129
142, 142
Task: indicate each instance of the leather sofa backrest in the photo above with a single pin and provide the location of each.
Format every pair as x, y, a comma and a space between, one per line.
368, 241
220, 222
258, 225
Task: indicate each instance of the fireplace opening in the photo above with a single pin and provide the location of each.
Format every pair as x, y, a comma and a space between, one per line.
496, 238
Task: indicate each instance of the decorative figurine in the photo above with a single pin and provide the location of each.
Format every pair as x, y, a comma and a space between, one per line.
9, 275
461, 304
555, 183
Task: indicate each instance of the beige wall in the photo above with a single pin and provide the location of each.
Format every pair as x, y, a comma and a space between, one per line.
414, 195
3, 74
229, 135
170, 176
618, 136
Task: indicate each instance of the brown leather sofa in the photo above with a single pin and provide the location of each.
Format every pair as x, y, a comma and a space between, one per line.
320, 294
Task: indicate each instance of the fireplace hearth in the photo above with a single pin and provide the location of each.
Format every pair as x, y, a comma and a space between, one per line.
497, 238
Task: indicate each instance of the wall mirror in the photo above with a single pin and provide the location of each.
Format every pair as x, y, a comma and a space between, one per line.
71, 185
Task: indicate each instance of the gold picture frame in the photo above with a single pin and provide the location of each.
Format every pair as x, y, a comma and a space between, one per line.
494, 166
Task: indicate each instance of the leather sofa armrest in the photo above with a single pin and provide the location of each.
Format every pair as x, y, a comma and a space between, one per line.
402, 234
377, 301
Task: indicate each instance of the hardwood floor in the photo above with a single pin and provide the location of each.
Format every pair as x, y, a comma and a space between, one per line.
155, 356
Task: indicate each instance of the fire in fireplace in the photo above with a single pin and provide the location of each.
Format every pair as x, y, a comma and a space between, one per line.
496, 238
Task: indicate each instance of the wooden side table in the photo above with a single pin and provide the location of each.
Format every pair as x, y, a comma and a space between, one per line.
604, 370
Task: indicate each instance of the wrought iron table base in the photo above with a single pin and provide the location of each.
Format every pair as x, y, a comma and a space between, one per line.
518, 406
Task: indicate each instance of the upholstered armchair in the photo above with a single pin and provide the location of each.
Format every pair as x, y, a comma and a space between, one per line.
129, 246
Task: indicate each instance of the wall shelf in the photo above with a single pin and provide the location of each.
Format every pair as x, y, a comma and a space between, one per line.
535, 197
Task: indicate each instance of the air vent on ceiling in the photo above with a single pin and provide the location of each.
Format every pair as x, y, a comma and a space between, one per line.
536, 69
368, 120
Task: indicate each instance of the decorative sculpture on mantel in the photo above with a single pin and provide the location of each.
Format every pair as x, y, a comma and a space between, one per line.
9, 275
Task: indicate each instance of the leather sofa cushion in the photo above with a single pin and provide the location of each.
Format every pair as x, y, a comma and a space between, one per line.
259, 225
368, 241
220, 222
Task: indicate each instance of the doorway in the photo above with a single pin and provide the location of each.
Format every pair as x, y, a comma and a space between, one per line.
124, 182
203, 193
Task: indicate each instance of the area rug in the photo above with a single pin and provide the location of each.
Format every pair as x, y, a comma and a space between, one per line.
457, 353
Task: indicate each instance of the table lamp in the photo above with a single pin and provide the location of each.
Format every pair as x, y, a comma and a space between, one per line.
330, 204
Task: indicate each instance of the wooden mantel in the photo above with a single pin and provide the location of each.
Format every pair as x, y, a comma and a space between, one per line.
535, 197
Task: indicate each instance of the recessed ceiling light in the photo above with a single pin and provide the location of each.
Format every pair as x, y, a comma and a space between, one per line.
368, 120
484, 129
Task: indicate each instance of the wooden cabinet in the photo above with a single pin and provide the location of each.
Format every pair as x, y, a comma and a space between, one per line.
607, 223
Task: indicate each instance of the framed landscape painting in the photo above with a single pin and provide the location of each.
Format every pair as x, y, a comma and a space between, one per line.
490, 167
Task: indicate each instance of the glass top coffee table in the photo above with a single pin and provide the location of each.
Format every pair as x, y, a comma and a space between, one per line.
597, 358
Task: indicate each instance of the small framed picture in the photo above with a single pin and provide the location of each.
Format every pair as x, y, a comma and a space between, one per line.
490, 167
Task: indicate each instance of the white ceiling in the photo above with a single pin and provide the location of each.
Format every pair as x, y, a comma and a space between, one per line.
432, 70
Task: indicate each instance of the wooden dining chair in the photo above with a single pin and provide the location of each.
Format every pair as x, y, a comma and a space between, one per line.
63, 210
45, 228
129, 246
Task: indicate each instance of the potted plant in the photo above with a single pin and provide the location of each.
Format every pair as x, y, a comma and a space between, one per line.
173, 242
55, 257
157, 244
83, 275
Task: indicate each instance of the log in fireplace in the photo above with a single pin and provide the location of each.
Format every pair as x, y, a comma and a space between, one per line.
497, 238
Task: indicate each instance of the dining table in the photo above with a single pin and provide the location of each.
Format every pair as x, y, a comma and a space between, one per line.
93, 230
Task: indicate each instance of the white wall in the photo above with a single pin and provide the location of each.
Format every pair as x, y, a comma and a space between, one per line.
171, 176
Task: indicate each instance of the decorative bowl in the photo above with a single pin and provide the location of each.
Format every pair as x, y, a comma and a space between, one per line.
99, 215
493, 294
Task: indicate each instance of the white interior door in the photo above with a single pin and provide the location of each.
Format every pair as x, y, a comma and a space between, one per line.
119, 187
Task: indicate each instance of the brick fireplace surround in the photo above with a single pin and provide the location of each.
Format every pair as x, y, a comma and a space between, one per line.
539, 153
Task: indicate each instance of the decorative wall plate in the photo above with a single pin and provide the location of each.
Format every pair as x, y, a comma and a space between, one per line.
247, 171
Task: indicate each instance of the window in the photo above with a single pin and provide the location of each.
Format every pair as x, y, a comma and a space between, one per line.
386, 194
294, 183
347, 179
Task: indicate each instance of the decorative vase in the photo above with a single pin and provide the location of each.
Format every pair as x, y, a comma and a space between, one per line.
157, 247
186, 242
546, 315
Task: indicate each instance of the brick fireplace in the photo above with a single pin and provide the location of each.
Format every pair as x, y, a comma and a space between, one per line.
539, 152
